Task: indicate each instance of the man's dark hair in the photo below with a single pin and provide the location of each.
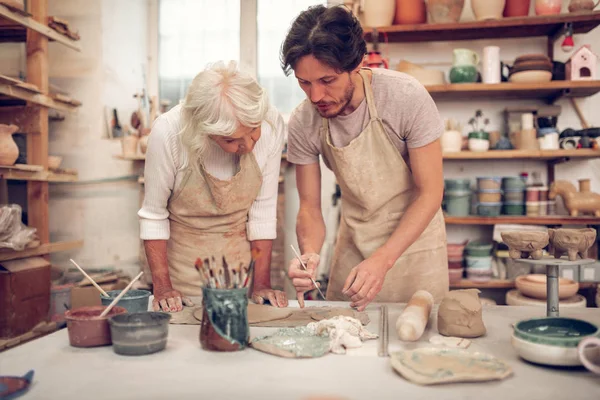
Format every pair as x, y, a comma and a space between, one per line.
332, 35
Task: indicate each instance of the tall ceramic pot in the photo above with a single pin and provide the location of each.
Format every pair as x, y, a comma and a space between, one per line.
379, 13
9, 152
487, 9
410, 12
548, 7
445, 11
516, 8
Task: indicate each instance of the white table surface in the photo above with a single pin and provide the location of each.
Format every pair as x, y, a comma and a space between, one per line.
185, 371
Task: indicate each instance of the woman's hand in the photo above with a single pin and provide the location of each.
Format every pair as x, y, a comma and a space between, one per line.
277, 298
169, 299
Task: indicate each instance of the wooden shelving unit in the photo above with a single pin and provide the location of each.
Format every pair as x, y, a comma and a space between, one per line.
541, 155
549, 91
516, 27
27, 104
522, 219
41, 250
14, 25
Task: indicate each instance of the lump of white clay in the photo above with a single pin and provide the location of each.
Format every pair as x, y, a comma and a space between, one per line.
411, 324
344, 332
460, 314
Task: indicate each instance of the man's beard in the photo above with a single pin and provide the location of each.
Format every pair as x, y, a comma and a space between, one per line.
329, 113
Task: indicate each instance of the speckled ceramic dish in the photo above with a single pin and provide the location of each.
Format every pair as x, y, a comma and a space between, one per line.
551, 341
293, 343
428, 366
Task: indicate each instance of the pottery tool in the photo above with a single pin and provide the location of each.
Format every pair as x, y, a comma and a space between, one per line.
116, 300
89, 278
228, 281
383, 332
306, 269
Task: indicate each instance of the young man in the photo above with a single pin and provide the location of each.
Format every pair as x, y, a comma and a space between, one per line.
378, 131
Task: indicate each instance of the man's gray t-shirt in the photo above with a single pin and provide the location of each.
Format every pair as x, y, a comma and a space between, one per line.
409, 115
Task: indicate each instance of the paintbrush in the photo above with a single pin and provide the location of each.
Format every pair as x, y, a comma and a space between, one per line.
227, 274
235, 279
200, 268
306, 269
255, 255
90, 279
213, 281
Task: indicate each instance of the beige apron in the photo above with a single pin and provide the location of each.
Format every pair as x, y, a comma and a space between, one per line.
377, 187
208, 218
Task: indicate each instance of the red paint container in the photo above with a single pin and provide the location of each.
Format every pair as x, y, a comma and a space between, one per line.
85, 327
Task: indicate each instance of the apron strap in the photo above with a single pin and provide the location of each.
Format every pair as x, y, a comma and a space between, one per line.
369, 94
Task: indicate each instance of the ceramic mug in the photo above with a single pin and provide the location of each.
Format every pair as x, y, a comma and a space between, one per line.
585, 343
465, 57
490, 69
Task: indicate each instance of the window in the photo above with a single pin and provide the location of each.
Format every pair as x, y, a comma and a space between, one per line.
273, 21
193, 33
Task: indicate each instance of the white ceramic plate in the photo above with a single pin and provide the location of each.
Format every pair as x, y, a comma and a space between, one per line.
428, 366
533, 76
546, 354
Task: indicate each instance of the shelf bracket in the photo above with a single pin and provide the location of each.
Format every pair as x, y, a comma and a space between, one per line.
561, 93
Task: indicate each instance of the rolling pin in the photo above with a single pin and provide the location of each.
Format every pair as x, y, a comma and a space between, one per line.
413, 320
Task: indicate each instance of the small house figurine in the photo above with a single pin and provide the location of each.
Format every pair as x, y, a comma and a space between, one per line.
582, 65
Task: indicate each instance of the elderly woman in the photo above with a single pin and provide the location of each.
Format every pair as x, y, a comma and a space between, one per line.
211, 177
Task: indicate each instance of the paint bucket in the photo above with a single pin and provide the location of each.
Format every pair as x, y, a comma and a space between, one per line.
86, 329
136, 334
133, 301
60, 301
224, 324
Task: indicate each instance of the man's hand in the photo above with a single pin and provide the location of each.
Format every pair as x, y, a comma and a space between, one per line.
364, 282
169, 299
301, 278
277, 298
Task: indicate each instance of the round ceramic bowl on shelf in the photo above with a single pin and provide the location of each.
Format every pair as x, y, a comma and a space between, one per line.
456, 250
534, 285
532, 76
551, 341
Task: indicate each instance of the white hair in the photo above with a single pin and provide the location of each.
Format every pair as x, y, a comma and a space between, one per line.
218, 101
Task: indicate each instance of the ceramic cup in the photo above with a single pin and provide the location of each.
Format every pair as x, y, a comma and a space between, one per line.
224, 324
490, 68
581, 349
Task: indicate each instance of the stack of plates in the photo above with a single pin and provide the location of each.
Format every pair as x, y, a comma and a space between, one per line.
531, 68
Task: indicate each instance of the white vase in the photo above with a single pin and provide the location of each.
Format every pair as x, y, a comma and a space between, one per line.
490, 66
487, 9
378, 13
451, 141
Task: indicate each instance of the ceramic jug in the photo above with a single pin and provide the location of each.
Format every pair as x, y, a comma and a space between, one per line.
378, 13
445, 11
464, 66
487, 9
9, 152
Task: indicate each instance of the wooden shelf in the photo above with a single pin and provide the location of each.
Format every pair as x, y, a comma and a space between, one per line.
545, 155
522, 219
13, 92
13, 28
502, 284
129, 158
42, 250
35, 173
516, 27
549, 91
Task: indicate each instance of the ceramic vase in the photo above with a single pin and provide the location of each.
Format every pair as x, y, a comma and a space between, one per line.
548, 7
410, 12
445, 11
224, 324
487, 9
451, 141
377, 13
516, 8
9, 152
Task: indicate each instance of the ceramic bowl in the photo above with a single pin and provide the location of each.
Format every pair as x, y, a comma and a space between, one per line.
534, 285
531, 77
478, 248
133, 301
551, 341
86, 329
137, 334
54, 162
515, 298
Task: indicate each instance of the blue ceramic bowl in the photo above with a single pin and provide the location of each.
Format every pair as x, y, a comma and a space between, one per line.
559, 331
133, 301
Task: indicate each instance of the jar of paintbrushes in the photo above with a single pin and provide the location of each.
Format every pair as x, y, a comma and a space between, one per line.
224, 324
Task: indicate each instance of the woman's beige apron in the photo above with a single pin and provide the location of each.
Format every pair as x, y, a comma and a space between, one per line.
208, 218
377, 187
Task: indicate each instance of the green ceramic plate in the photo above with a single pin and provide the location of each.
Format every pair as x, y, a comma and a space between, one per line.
563, 332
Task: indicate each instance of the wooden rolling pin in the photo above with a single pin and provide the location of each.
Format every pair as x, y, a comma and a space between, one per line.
413, 320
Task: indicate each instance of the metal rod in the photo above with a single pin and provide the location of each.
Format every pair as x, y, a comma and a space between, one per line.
383, 332
552, 290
